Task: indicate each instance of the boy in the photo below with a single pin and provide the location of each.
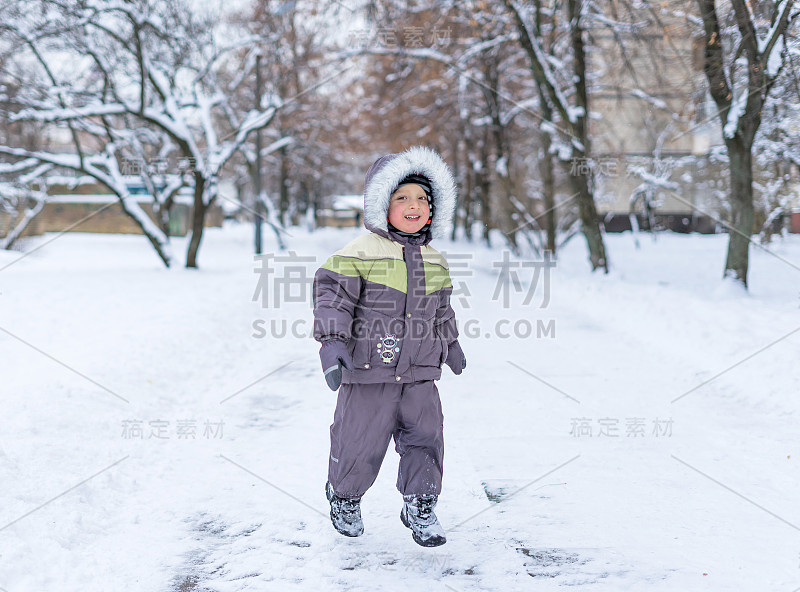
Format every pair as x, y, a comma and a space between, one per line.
382, 313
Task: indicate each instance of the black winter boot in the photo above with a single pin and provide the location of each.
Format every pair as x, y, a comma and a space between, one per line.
345, 513
417, 514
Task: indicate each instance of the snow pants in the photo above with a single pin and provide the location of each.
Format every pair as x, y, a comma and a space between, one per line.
367, 416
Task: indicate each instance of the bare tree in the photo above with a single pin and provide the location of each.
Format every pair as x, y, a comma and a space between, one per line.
476, 125
742, 67
151, 65
572, 116
303, 138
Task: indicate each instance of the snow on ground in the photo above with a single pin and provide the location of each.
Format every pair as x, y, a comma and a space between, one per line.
640, 441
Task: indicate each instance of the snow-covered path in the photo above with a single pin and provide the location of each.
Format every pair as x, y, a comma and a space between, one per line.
686, 488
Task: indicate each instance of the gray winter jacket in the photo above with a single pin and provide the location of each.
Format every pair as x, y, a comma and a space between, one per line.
385, 295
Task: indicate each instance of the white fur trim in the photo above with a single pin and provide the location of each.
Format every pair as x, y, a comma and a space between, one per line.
417, 159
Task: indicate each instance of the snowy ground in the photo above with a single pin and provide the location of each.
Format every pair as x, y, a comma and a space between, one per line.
688, 480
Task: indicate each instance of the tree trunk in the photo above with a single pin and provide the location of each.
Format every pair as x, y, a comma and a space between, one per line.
548, 183
548, 193
742, 212
198, 221
545, 158
458, 174
469, 189
582, 183
469, 180
284, 189
483, 186
162, 254
502, 157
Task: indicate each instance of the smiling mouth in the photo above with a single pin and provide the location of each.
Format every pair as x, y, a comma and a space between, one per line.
412, 217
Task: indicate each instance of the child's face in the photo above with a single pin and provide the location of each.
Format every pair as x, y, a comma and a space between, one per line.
408, 208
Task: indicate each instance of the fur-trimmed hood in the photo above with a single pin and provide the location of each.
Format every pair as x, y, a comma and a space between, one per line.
386, 172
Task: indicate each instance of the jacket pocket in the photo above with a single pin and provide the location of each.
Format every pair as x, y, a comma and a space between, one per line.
358, 344
427, 345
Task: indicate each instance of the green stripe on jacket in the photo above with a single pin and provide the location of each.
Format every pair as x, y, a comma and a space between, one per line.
388, 272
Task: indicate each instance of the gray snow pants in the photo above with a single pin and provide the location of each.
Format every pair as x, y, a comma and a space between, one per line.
367, 416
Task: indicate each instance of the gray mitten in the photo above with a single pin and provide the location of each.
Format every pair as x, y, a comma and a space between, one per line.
455, 358
334, 355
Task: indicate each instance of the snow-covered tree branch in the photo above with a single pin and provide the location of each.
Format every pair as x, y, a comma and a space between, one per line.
131, 79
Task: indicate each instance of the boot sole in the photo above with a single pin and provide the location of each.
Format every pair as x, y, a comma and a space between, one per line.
432, 542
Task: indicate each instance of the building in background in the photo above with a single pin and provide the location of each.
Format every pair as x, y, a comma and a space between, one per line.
341, 211
84, 205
